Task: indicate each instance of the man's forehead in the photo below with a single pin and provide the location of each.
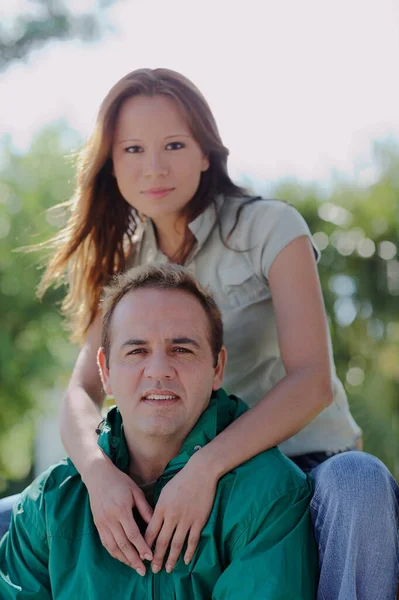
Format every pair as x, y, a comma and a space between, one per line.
151, 311
161, 330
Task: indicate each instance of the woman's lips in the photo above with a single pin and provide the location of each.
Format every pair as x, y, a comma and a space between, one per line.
158, 192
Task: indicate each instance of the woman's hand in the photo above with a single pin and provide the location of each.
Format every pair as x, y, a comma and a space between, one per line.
112, 498
182, 510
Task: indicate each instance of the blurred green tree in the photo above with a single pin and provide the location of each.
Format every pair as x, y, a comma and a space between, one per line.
34, 351
357, 229
48, 20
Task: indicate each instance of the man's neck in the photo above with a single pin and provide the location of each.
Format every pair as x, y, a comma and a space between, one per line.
149, 457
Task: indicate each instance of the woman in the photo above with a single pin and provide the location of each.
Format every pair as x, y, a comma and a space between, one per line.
153, 186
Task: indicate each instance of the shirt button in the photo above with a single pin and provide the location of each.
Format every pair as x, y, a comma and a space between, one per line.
196, 448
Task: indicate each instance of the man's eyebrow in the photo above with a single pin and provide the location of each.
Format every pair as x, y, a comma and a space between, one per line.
184, 341
134, 342
177, 340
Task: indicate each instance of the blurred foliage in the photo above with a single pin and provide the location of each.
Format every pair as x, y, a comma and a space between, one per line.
47, 20
34, 352
356, 227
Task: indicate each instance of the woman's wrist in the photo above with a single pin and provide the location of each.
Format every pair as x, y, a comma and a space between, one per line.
205, 460
97, 461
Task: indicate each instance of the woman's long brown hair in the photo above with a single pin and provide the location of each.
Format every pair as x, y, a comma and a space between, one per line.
98, 237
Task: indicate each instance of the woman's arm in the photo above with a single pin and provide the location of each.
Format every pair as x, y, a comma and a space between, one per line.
290, 405
306, 389
81, 409
112, 493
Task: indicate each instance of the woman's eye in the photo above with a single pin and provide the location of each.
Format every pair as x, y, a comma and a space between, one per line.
175, 146
133, 149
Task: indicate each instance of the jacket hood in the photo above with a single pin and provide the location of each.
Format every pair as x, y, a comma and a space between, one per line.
221, 411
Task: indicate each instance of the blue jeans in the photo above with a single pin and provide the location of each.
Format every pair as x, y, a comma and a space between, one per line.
6, 505
355, 512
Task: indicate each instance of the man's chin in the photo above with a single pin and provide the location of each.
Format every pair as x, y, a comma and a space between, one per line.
159, 427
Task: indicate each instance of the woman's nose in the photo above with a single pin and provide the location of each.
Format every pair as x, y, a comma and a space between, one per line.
155, 165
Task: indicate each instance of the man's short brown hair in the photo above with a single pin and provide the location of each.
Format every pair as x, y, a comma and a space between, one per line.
164, 277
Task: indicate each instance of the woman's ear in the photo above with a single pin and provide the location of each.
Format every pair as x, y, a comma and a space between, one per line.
205, 163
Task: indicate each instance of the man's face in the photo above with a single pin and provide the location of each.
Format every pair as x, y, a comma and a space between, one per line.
161, 368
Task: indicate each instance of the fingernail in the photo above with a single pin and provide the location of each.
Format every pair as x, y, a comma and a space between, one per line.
141, 572
187, 560
168, 568
156, 568
147, 556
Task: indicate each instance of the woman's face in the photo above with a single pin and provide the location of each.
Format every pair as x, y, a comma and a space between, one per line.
157, 162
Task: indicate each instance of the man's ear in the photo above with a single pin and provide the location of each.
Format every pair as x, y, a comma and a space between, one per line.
219, 369
104, 371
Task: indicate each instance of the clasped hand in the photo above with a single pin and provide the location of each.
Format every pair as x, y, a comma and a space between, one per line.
180, 514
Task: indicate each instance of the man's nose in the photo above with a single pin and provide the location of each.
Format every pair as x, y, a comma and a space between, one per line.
159, 366
155, 165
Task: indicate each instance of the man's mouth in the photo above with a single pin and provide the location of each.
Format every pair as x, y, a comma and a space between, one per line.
160, 398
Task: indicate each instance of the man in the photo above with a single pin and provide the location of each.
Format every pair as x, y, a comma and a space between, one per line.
162, 359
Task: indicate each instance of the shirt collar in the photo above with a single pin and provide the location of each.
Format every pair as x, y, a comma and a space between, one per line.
200, 227
221, 411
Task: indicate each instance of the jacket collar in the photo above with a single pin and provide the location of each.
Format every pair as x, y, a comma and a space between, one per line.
221, 411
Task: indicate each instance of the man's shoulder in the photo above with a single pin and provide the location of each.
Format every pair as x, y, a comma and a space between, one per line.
53, 478
260, 492
51, 497
271, 474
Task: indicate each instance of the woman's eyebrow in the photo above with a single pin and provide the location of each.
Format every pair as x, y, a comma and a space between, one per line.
132, 139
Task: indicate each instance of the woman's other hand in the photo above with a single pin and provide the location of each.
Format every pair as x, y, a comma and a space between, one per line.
181, 512
113, 495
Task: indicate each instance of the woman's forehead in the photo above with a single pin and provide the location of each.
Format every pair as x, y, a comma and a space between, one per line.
140, 114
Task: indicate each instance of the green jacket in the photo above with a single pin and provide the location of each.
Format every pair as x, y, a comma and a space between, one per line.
257, 544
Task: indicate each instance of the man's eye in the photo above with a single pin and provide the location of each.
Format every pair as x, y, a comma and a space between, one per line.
180, 350
136, 351
133, 149
175, 146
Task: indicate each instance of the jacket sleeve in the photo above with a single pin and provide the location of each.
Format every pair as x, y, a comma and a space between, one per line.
275, 557
24, 554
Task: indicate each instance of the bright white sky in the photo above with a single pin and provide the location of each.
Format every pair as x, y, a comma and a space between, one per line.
298, 87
